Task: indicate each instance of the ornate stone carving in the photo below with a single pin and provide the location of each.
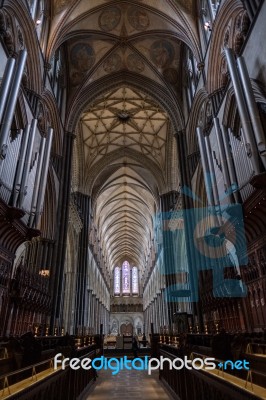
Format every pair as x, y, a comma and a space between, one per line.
238, 42
226, 38
20, 38
9, 42
224, 72
2, 22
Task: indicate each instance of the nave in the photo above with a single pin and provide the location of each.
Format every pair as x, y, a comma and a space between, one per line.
130, 385
132, 195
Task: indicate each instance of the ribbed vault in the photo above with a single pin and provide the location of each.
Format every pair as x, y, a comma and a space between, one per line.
125, 70
133, 132
124, 118
124, 212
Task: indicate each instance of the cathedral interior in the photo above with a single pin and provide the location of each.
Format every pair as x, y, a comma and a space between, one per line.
133, 196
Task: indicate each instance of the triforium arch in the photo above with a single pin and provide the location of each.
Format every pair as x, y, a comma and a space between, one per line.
231, 27
21, 32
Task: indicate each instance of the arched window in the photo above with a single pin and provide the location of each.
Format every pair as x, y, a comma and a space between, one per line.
126, 278
135, 280
117, 287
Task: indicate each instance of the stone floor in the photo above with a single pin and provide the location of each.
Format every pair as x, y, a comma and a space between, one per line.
128, 385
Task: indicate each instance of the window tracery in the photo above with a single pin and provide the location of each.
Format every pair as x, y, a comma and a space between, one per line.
135, 281
126, 278
117, 279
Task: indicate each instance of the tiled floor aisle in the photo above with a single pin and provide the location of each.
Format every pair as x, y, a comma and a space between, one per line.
127, 385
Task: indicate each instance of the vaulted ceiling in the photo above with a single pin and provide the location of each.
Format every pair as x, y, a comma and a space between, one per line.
125, 68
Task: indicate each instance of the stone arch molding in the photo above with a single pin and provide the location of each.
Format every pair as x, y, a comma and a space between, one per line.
90, 93
22, 37
226, 33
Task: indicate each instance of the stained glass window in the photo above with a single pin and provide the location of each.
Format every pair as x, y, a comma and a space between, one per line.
135, 281
126, 277
117, 280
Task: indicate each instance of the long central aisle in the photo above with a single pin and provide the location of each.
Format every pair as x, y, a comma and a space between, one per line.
129, 385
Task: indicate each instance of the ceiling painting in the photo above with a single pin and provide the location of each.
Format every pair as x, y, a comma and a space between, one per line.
138, 19
110, 18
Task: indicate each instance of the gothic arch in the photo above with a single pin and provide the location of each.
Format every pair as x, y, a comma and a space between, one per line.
222, 37
131, 154
49, 101
131, 80
201, 97
31, 44
182, 27
48, 218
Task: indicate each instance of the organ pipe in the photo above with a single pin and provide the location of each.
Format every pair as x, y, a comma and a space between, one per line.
44, 174
230, 164
21, 161
37, 181
6, 83
212, 170
242, 108
222, 153
26, 169
12, 99
205, 166
253, 108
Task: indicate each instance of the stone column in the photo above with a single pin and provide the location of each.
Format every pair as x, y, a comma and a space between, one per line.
230, 163
205, 166
83, 204
168, 201
58, 260
188, 225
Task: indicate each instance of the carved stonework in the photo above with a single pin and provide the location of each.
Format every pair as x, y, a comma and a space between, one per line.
242, 23
20, 39
74, 218
9, 42
238, 42
226, 38
41, 118
201, 117
224, 74
2, 22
